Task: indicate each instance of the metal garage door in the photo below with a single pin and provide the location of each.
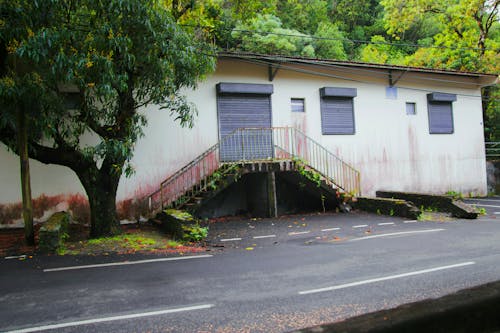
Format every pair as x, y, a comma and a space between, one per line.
242, 110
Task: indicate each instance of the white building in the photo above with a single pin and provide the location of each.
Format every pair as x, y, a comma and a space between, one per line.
402, 128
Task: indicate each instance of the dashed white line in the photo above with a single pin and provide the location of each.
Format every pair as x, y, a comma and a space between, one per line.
481, 205
23, 256
330, 229
121, 263
497, 213
230, 239
385, 278
396, 234
494, 200
360, 226
386, 223
298, 233
265, 236
410, 221
106, 319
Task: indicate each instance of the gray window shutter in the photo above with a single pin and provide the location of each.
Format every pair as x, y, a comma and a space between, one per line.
440, 118
337, 115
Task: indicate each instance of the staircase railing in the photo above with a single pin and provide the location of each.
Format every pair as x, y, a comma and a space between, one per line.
334, 169
254, 145
492, 150
192, 177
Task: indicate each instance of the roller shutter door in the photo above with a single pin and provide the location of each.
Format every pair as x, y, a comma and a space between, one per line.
244, 111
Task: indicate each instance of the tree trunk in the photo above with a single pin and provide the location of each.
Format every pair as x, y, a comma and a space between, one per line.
101, 191
103, 219
25, 178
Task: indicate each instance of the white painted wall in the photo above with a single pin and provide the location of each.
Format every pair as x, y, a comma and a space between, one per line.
392, 150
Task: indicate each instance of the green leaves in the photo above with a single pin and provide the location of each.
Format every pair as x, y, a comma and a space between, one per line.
268, 37
118, 54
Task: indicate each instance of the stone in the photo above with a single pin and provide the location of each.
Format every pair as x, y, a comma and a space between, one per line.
53, 232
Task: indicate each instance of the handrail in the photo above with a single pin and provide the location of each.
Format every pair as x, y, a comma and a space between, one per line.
492, 150
251, 145
342, 174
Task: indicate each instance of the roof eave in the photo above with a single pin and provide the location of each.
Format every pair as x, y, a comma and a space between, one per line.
485, 79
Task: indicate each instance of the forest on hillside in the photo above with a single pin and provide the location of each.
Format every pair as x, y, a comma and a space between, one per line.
459, 35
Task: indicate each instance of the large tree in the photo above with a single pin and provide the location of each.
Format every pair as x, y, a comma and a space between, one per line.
468, 39
465, 39
94, 65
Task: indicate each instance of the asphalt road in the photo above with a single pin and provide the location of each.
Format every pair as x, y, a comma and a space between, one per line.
271, 275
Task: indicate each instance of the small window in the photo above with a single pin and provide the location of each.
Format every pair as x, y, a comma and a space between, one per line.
411, 109
297, 105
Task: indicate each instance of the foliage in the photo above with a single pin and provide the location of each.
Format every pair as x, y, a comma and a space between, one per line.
464, 39
379, 51
111, 58
215, 180
455, 195
329, 42
353, 13
480, 210
267, 36
307, 172
194, 233
303, 15
142, 238
180, 214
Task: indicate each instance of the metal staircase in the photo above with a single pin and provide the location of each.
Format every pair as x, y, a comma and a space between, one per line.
222, 163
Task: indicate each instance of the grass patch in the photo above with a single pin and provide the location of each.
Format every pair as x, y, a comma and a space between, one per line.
144, 239
430, 216
480, 210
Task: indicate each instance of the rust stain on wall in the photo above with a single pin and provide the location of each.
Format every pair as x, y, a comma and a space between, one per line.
413, 157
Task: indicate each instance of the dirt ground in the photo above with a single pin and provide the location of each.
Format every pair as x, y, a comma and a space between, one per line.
134, 238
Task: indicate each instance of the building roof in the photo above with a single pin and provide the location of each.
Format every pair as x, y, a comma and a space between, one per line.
487, 78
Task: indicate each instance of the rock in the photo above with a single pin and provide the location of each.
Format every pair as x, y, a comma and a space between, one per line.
54, 232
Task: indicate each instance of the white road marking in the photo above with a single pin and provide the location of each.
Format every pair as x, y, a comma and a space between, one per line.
385, 278
396, 234
481, 205
298, 233
146, 261
494, 200
410, 221
23, 256
106, 319
330, 229
497, 213
230, 239
386, 223
360, 226
266, 236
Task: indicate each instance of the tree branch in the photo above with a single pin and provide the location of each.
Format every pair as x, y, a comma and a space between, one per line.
70, 158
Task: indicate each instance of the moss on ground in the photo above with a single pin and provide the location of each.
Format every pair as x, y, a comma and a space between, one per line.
139, 240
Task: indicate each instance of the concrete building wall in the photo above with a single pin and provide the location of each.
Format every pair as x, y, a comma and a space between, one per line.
393, 151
